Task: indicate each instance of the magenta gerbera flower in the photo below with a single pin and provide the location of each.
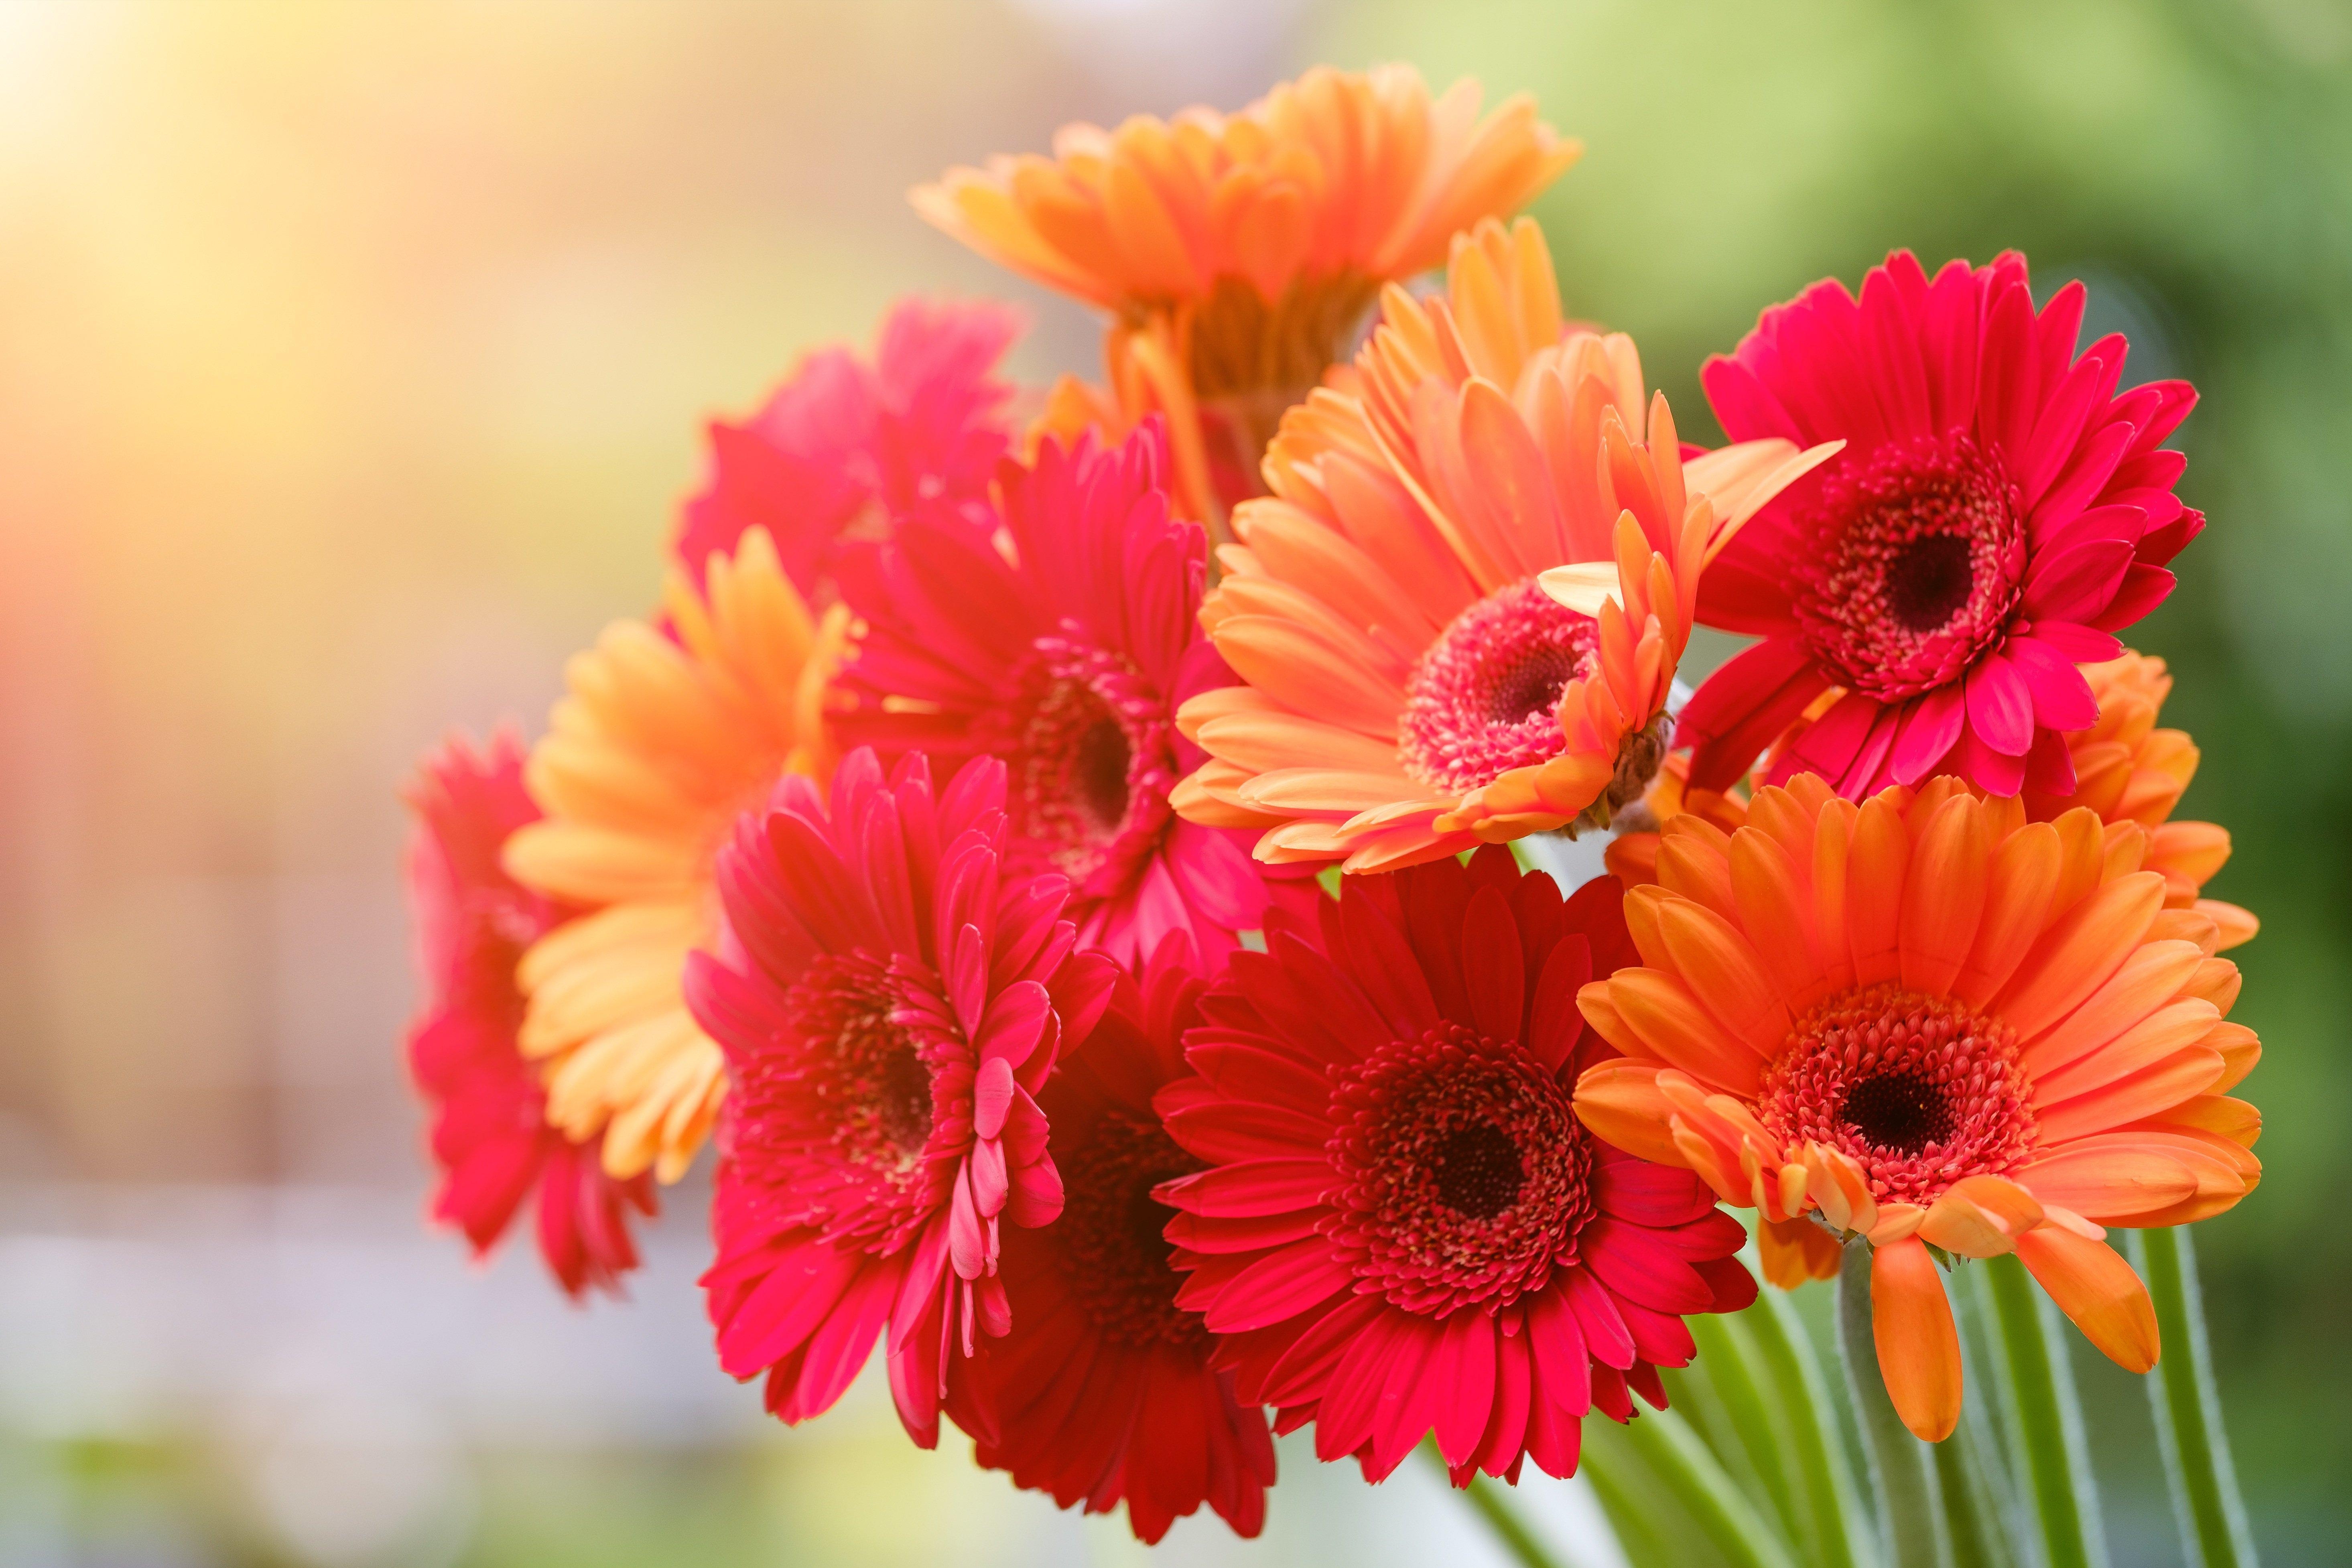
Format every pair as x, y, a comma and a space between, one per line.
844, 447
490, 1136
891, 1000
1997, 513
1403, 1227
1103, 1391
1064, 646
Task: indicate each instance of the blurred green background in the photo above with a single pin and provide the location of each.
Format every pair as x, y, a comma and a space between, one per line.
352, 363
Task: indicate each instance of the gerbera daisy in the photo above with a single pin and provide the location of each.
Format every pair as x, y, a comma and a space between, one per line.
645, 765
845, 447
1237, 253
1402, 1228
891, 1000
1458, 618
1999, 512
490, 1135
2127, 769
1103, 1390
1064, 645
1930, 1023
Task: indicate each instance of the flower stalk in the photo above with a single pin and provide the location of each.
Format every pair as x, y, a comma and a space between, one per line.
2044, 1418
2187, 1407
1911, 1516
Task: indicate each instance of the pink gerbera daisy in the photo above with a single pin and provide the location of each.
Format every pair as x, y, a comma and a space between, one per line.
1998, 513
1403, 1227
1104, 1388
490, 1135
891, 1001
1065, 647
845, 447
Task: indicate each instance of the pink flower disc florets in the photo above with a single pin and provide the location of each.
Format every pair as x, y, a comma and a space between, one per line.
1920, 1091
1485, 697
1092, 758
1917, 563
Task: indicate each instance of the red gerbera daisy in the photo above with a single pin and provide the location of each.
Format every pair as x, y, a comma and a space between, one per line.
1065, 650
843, 445
889, 1003
1997, 513
1403, 1227
490, 1135
1104, 1390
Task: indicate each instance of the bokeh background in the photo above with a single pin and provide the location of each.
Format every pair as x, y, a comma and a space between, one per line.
353, 361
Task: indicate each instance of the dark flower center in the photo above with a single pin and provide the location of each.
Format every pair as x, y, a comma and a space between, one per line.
1461, 1171
1919, 1090
1482, 700
1899, 1110
1088, 743
1478, 1172
1914, 564
1098, 773
1117, 1268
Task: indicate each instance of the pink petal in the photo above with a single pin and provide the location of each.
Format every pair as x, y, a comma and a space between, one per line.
2001, 706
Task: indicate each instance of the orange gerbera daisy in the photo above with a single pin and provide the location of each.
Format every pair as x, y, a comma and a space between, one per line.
1458, 617
2127, 769
1926, 1022
663, 740
1236, 253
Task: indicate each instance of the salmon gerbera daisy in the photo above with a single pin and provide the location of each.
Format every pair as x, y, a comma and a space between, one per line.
1458, 617
889, 999
1927, 1023
1103, 1391
1998, 513
845, 447
1064, 645
662, 742
1237, 254
490, 1135
2128, 770
1403, 1228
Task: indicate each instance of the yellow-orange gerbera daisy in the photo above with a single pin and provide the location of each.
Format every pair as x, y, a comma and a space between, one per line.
662, 742
1238, 252
1928, 1022
1458, 617
2127, 769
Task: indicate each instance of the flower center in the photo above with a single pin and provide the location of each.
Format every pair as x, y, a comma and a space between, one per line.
1919, 1090
1091, 763
1462, 1172
1917, 560
1110, 1227
1482, 700
856, 1096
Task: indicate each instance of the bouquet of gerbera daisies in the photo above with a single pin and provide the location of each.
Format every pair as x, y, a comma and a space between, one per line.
1092, 863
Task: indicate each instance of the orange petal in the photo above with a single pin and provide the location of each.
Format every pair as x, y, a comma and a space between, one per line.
1873, 899
2078, 953
2108, 1177
1944, 896
1621, 1103
1678, 1031
2097, 1291
1980, 1216
1918, 1345
1795, 1250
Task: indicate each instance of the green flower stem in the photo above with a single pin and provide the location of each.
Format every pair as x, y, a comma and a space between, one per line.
1730, 1362
2046, 1417
1968, 1510
1815, 1440
1501, 1515
1909, 1510
2213, 1531
1713, 1501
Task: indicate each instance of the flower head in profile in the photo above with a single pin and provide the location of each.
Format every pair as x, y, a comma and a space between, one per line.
1237, 253
490, 1135
661, 743
1403, 1228
2128, 770
1064, 646
1926, 1022
1103, 1391
1458, 617
1998, 513
845, 447
890, 999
